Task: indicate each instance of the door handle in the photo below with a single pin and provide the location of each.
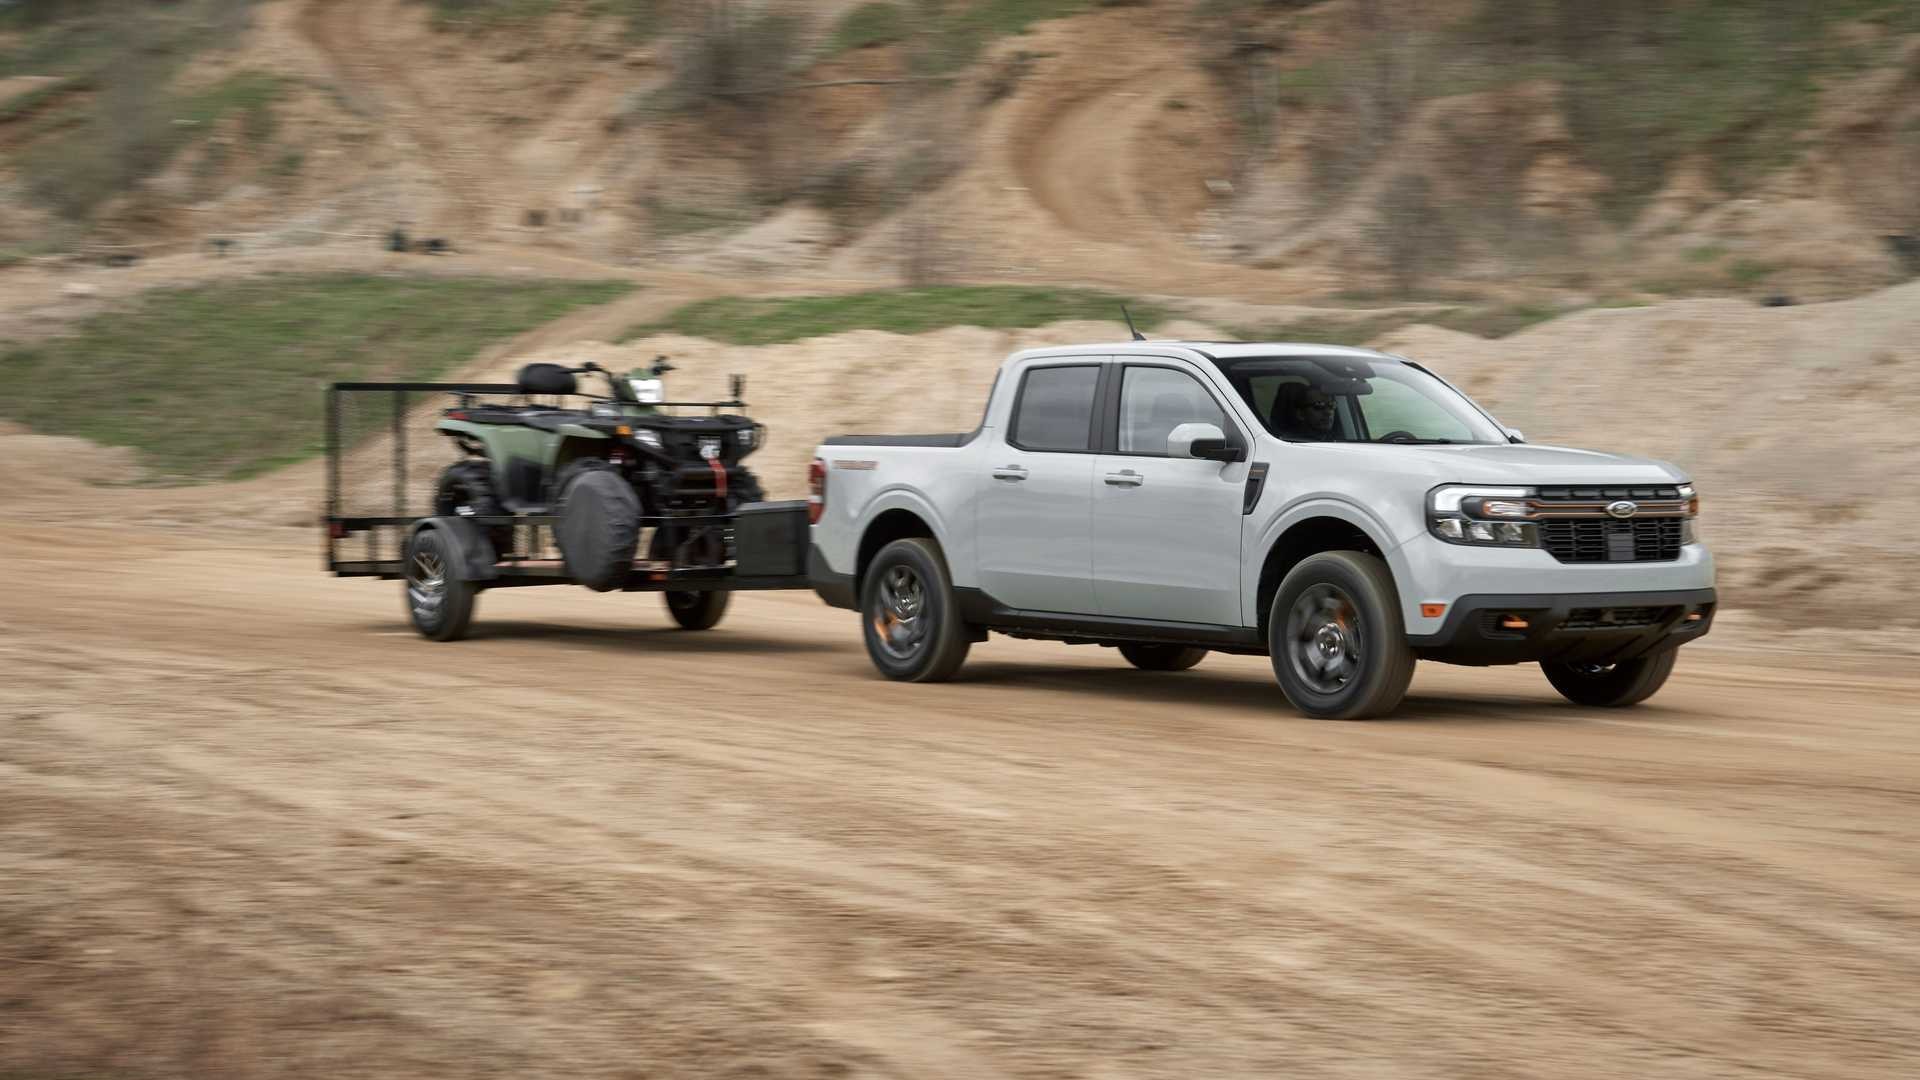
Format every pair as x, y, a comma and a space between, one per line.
1125, 478
1010, 472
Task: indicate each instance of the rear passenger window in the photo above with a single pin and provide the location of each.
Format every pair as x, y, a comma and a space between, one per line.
1055, 409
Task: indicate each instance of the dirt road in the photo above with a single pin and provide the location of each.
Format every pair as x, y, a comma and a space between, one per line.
250, 825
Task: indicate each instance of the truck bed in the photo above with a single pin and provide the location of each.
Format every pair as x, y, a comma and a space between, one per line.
944, 441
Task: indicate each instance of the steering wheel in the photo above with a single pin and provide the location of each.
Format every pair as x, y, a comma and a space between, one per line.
1393, 436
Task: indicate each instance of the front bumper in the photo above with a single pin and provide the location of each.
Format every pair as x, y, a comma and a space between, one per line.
1582, 628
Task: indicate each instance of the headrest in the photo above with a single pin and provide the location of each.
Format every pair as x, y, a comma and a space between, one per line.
546, 379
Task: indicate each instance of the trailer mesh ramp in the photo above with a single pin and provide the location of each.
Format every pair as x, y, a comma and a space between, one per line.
383, 459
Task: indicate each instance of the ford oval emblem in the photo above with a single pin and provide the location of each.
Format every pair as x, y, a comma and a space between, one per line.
1623, 509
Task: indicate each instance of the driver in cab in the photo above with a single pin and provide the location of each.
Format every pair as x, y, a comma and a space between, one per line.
1303, 411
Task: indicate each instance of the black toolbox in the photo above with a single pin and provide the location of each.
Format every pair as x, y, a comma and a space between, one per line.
770, 539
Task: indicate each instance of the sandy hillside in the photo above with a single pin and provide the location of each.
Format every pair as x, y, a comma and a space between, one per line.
1039, 159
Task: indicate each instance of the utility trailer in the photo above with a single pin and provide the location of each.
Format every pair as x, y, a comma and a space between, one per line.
387, 515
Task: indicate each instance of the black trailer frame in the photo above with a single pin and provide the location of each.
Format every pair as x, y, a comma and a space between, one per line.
535, 559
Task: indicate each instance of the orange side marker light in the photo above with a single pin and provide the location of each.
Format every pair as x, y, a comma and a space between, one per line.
1432, 611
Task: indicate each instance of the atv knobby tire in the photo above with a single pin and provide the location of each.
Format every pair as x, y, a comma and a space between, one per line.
466, 490
598, 524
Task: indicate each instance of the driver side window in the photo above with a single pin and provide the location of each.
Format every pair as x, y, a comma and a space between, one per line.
1154, 401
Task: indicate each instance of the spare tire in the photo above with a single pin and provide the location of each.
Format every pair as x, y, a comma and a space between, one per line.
598, 526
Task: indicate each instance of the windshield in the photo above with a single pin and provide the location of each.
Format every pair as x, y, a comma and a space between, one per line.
1354, 399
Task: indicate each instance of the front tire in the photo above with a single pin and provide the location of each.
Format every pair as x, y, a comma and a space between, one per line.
1162, 657
438, 596
913, 630
1614, 686
697, 610
1337, 639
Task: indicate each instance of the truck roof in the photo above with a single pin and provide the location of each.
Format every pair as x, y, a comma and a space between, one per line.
1212, 350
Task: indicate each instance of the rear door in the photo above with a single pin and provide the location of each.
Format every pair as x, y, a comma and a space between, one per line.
1034, 511
1166, 531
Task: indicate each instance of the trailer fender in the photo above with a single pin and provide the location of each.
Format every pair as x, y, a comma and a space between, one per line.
469, 542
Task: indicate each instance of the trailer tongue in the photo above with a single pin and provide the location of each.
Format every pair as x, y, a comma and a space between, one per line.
619, 493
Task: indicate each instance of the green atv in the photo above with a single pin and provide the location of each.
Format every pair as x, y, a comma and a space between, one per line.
604, 473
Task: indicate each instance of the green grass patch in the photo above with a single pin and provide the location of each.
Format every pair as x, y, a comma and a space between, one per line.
131, 132
25, 104
1750, 271
220, 381
878, 23
644, 18
1495, 322
488, 14
677, 219
743, 321
956, 33
1645, 85
1321, 330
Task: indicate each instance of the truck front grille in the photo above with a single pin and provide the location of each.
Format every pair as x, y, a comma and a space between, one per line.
1586, 537
1588, 540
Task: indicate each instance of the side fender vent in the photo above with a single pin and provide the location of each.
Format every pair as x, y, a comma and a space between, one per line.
1256, 482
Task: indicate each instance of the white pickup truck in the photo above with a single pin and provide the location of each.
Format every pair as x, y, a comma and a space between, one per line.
1341, 511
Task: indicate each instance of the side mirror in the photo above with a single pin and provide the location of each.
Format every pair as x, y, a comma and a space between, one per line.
1203, 441
1514, 435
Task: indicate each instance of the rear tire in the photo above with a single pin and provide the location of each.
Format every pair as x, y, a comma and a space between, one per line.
1337, 639
912, 624
438, 596
1162, 657
697, 610
466, 490
1614, 687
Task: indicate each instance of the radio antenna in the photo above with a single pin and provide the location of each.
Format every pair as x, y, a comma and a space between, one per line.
1137, 335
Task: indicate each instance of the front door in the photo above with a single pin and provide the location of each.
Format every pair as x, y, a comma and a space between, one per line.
1035, 539
1166, 531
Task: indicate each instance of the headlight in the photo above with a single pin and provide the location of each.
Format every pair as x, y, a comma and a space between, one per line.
647, 438
1466, 514
1687, 533
746, 436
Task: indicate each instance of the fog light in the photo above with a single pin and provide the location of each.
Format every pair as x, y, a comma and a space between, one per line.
1513, 622
1480, 530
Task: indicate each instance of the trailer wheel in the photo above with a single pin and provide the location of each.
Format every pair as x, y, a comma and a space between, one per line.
438, 595
1162, 657
913, 628
1611, 686
697, 610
